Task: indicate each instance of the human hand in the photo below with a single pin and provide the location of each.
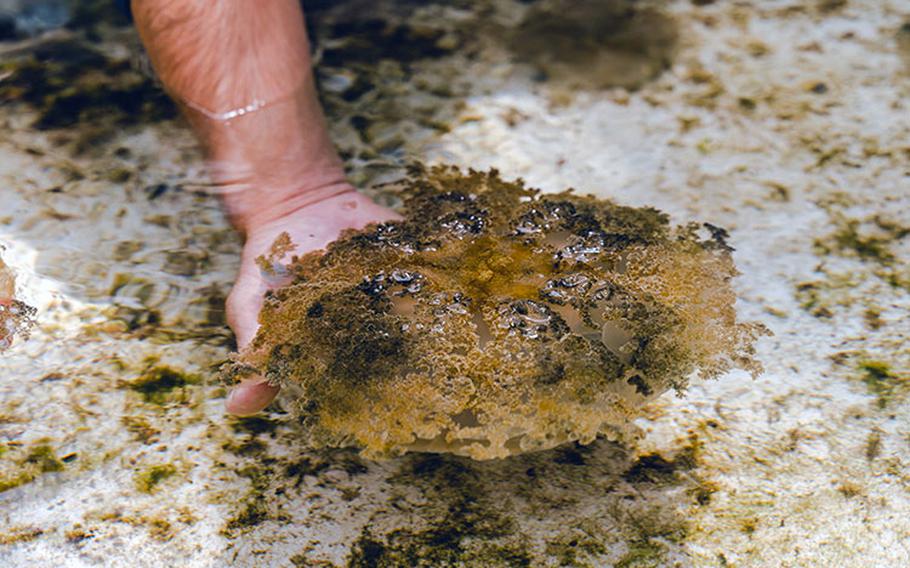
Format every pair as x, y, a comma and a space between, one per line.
241, 72
311, 228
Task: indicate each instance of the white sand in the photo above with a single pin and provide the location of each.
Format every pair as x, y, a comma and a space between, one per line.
802, 467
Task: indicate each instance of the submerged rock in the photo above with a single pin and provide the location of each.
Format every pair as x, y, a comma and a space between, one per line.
15, 316
596, 43
494, 320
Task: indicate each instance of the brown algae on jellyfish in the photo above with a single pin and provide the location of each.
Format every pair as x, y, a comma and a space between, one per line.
16, 318
494, 320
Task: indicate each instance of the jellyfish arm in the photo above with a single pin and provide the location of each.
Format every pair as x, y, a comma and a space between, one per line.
242, 74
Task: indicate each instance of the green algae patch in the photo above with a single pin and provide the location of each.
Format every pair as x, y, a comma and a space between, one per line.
813, 300
870, 240
886, 378
364, 42
253, 425
862, 269
493, 320
471, 513
23, 464
254, 508
162, 384
874, 241
883, 381
91, 16
471, 531
147, 481
159, 528
141, 429
251, 448
433, 549
45, 458
18, 535
67, 83
574, 550
655, 468
250, 444
642, 554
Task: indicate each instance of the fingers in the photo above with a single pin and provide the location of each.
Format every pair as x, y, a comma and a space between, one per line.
323, 222
242, 307
250, 396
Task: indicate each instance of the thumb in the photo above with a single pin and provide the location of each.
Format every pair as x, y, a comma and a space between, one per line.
243, 305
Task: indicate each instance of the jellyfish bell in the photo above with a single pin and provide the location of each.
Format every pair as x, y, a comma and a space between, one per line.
494, 320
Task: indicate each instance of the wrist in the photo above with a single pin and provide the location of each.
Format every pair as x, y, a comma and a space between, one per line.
254, 206
271, 161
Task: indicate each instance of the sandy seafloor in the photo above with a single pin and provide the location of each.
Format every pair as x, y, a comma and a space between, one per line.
785, 122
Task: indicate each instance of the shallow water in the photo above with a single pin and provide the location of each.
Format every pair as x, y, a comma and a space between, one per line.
783, 122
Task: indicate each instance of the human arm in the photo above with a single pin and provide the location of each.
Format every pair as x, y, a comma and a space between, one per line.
242, 73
